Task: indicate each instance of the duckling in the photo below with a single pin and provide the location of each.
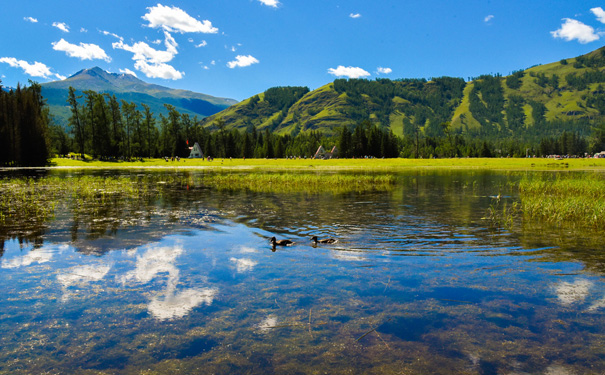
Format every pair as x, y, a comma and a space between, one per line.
280, 242
325, 240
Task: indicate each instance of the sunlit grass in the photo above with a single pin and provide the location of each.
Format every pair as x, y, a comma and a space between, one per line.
385, 165
577, 200
296, 182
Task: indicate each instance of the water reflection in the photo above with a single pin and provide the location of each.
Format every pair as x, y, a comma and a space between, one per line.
418, 283
81, 277
570, 293
35, 256
168, 303
243, 264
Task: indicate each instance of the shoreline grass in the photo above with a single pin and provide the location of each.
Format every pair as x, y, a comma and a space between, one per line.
513, 164
565, 200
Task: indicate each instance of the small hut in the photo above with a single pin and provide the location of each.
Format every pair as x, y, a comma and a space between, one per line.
196, 151
321, 153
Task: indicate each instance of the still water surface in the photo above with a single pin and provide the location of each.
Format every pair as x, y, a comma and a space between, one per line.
187, 282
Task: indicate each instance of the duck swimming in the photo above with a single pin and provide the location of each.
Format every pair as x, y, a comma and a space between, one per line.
325, 240
275, 242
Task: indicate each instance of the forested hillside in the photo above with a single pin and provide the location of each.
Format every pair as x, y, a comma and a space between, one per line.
536, 105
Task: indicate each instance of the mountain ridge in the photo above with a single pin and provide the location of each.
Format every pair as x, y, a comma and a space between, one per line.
534, 100
131, 89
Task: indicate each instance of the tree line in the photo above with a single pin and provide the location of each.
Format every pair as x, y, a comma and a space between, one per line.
24, 120
108, 129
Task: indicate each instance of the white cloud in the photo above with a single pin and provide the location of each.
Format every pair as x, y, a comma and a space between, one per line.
60, 77
270, 3
142, 50
177, 20
202, 44
112, 34
350, 72
488, 18
128, 71
84, 51
153, 62
382, 70
30, 19
355, 15
600, 13
160, 70
242, 61
83, 30
61, 26
575, 30
37, 69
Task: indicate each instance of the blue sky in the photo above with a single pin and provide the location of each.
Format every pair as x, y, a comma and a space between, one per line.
238, 48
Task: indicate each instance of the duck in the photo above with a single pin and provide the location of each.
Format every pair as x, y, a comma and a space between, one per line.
280, 242
325, 240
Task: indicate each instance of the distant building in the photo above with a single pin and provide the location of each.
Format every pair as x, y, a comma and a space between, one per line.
323, 154
196, 151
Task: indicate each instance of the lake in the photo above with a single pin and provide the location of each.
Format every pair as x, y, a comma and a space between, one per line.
176, 277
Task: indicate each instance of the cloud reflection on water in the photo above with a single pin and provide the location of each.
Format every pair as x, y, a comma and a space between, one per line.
178, 304
81, 275
570, 293
38, 256
268, 323
169, 303
243, 264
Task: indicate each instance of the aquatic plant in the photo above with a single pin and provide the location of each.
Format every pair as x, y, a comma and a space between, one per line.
296, 182
564, 199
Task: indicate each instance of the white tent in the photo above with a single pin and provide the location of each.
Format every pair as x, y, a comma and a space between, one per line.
196, 151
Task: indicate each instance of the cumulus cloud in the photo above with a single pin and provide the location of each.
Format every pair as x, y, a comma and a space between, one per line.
575, 30
382, 70
349, 71
355, 15
270, 3
30, 19
600, 13
37, 69
242, 61
177, 20
153, 62
161, 70
128, 71
61, 26
84, 51
488, 18
202, 44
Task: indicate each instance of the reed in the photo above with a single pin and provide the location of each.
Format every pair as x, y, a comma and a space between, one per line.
296, 182
566, 200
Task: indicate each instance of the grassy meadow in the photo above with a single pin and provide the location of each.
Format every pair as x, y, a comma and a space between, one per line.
379, 165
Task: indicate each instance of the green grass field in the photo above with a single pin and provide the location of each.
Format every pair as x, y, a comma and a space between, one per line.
537, 164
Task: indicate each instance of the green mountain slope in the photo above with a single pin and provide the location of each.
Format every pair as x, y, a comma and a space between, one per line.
538, 101
128, 87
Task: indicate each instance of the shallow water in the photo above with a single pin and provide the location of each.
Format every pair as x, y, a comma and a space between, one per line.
186, 282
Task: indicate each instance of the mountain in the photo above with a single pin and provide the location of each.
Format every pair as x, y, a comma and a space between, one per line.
128, 87
540, 101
